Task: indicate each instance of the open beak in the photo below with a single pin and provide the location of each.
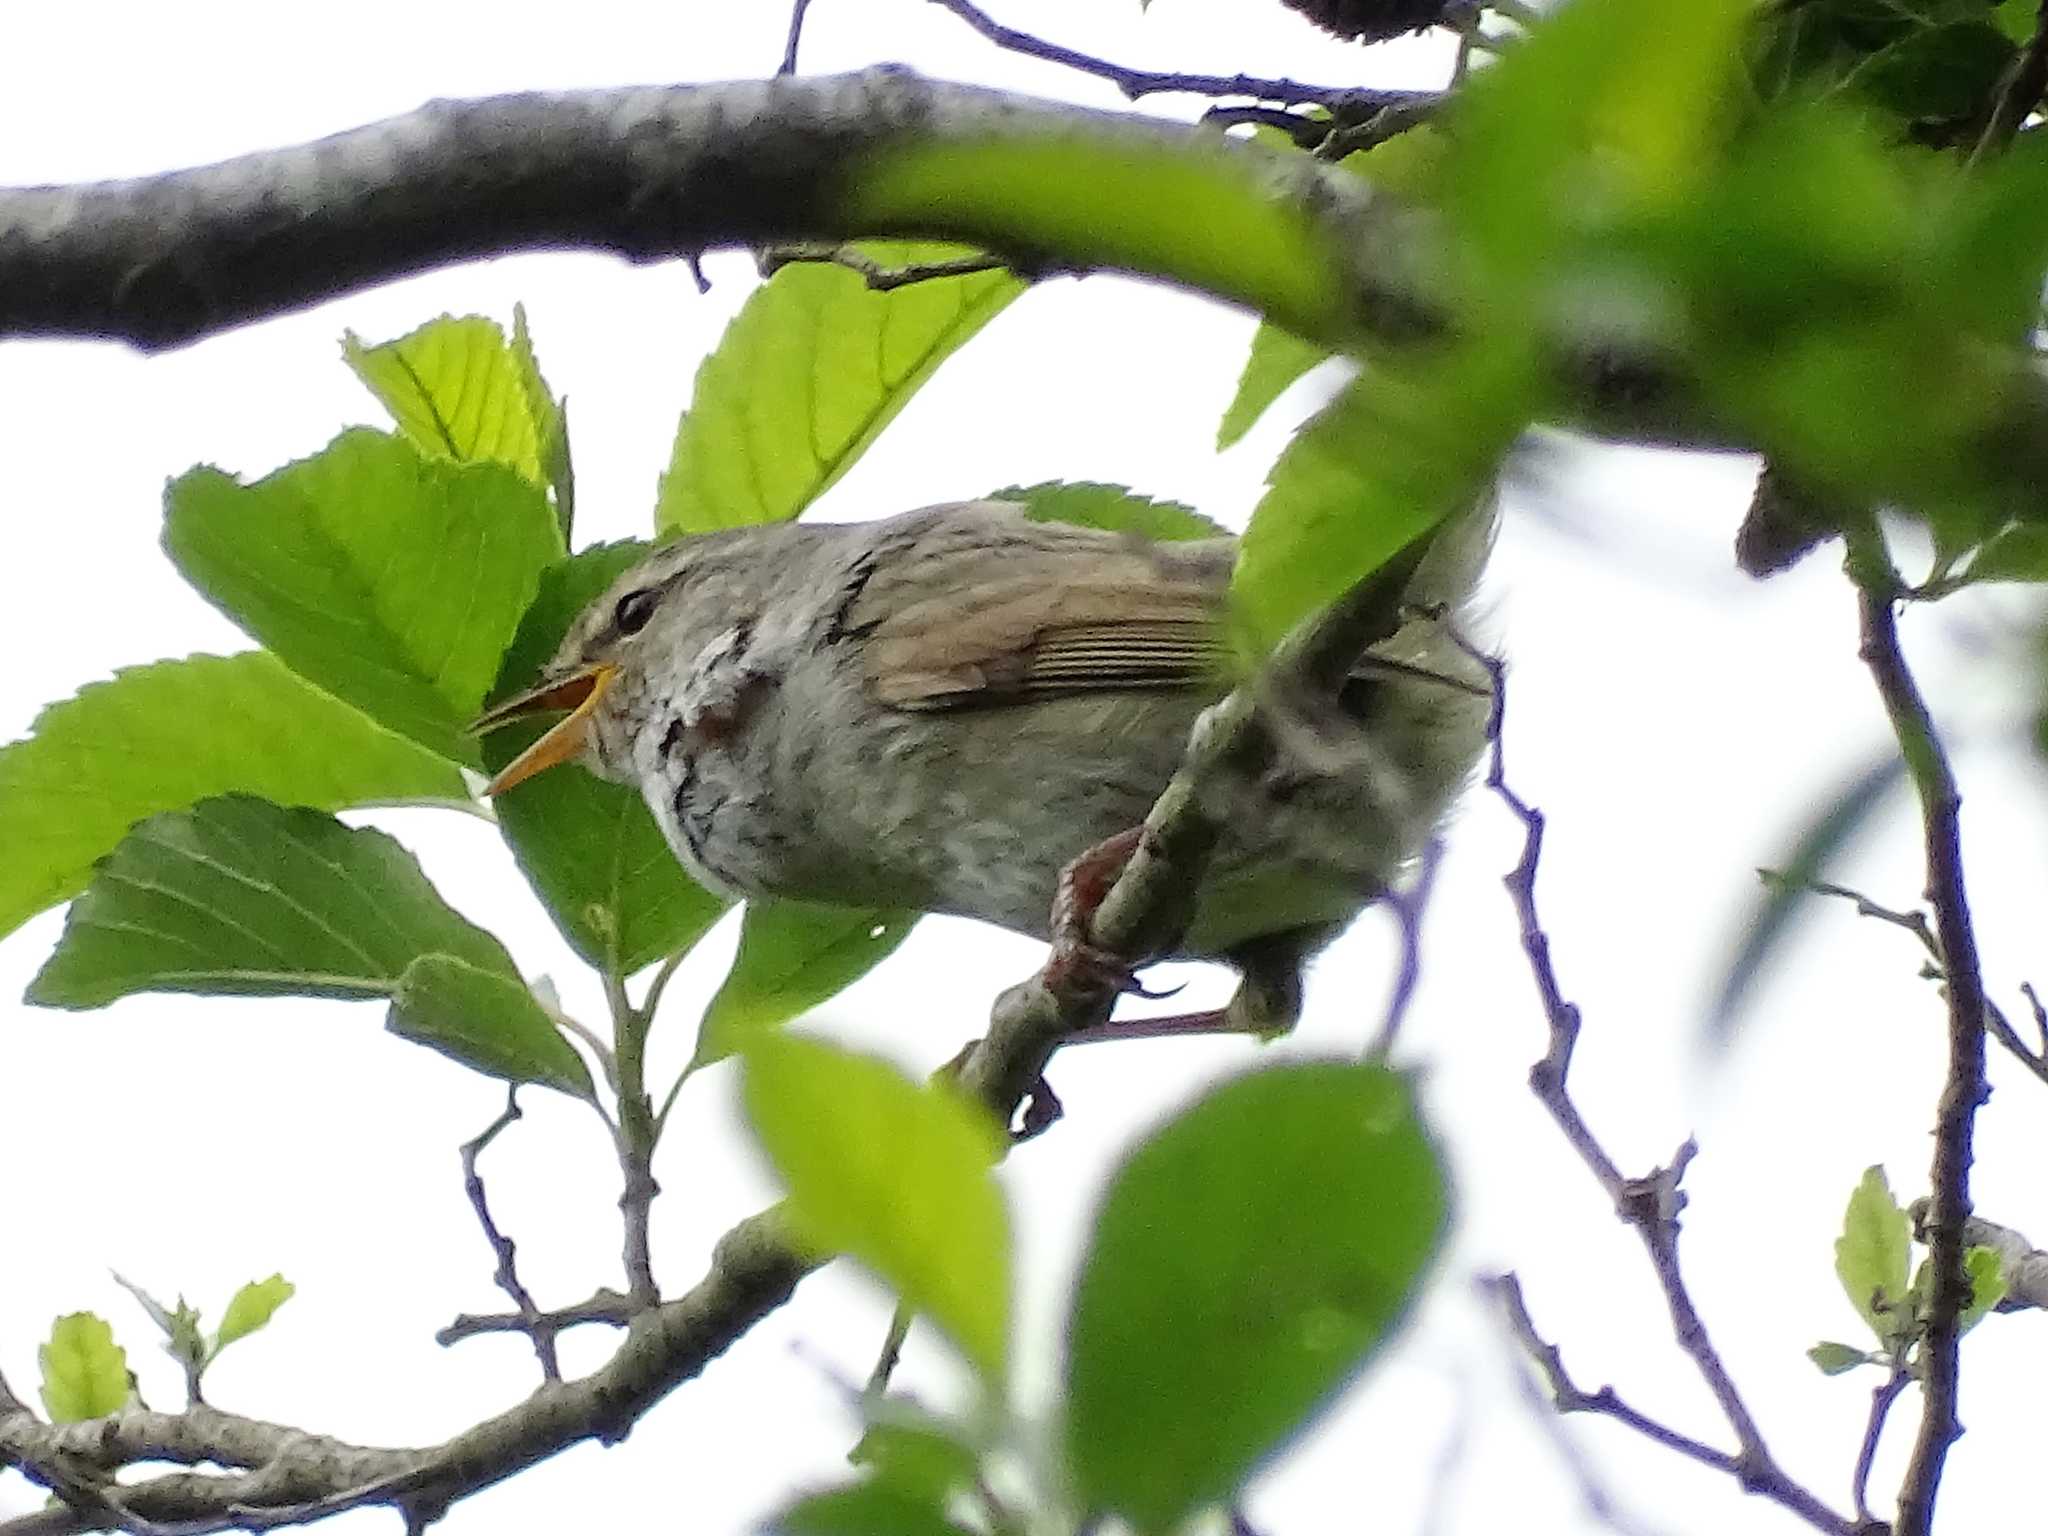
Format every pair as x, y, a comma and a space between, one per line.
578, 693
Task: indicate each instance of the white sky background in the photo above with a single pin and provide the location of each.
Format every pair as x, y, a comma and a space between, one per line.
1676, 721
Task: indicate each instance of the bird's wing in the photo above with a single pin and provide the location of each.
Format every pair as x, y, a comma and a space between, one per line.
977, 628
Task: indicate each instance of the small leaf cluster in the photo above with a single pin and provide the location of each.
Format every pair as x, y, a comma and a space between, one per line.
85, 1373
1873, 1258
1214, 1315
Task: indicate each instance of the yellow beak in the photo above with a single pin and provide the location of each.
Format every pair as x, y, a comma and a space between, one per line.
578, 693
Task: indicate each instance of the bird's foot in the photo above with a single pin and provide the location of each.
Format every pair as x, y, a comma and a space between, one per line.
1077, 962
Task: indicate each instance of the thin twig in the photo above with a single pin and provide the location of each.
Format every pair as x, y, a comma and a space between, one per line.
796, 33
880, 278
635, 1138
507, 1273
1347, 102
891, 1355
1915, 922
1963, 1089
1569, 1397
2019, 92
1650, 1205
613, 1309
1882, 1396
1408, 907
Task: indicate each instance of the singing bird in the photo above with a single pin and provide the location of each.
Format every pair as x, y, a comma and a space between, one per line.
943, 710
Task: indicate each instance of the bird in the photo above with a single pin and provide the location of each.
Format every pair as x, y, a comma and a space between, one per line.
951, 709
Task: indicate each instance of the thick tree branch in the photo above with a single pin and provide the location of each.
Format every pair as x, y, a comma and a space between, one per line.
1964, 1088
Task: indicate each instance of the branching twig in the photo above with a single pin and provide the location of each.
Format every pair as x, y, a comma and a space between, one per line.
1408, 907
1882, 1396
1349, 103
1877, 589
613, 1309
1649, 1205
2023, 1266
880, 278
2019, 92
507, 1274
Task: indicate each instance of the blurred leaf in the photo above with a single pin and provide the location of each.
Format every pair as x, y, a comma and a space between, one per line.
240, 897
1940, 72
1278, 357
866, 1509
1636, 126
794, 955
458, 391
390, 580
1113, 508
1871, 1256
1834, 1359
485, 1019
2020, 553
895, 1174
85, 1373
917, 1453
251, 1308
2017, 18
1152, 207
1987, 1286
1371, 473
812, 368
590, 849
157, 738
1249, 1257
1788, 889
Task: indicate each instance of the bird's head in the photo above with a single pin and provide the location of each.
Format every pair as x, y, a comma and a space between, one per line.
604, 679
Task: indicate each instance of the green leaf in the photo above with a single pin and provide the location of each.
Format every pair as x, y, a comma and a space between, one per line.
914, 1451
1152, 207
2020, 553
1937, 73
866, 1509
1113, 508
1834, 1359
551, 416
895, 1174
794, 955
1371, 473
160, 737
238, 896
1278, 357
1248, 1259
2017, 18
251, 1308
183, 1341
85, 1373
1987, 1285
589, 848
487, 1020
391, 580
1787, 891
812, 368
458, 391
1871, 1255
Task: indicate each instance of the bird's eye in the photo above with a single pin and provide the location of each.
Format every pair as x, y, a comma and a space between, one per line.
634, 610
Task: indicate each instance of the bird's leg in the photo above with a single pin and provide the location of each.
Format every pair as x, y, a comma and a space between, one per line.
1076, 959
1267, 1002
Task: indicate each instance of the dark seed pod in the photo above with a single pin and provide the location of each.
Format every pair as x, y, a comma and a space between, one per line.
1372, 20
